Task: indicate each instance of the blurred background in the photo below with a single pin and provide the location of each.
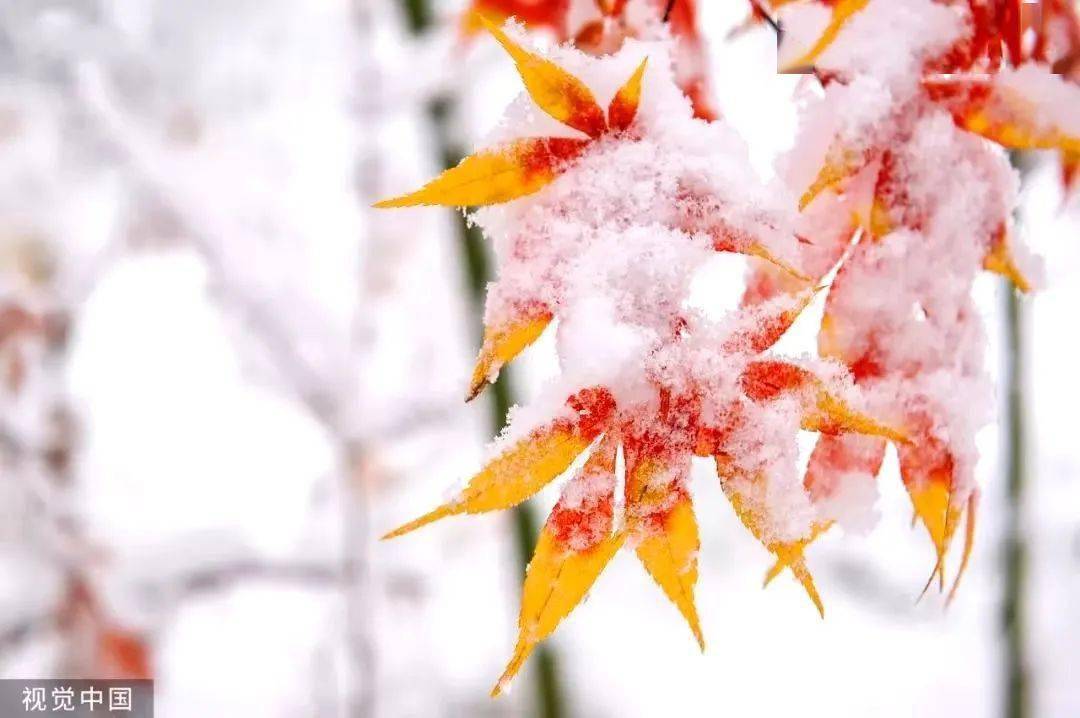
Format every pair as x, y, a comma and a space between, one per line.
223, 376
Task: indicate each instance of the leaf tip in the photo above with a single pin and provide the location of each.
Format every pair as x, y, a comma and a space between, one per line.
770, 576
430, 517
521, 652
394, 202
698, 636
475, 389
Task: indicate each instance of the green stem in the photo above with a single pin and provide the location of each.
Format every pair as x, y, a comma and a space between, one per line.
1016, 667
500, 396
475, 257
1017, 691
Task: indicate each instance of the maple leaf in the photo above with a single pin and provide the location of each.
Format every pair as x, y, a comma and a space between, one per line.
927, 464
841, 165
823, 412
751, 510
526, 466
834, 456
999, 113
575, 545
528, 165
660, 517
939, 497
1002, 116
872, 213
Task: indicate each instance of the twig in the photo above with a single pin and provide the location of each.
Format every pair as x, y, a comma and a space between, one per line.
216, 578
668, 9
205, 230
311, 388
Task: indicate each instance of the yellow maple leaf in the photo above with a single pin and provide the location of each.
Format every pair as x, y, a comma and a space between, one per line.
526, 166
575, 545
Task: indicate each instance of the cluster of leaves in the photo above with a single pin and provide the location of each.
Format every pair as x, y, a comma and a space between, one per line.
878, 176
1001, 33
680, 418
887, 195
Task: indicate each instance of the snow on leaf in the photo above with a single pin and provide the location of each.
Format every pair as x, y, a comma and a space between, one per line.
1029, 108
1002, 124
823, 411
754, 516
610, 252
831, 415
763, 334
762, 252
912, 89
834, 458
705, 214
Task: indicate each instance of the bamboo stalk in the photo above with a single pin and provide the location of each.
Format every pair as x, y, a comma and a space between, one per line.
1017, 698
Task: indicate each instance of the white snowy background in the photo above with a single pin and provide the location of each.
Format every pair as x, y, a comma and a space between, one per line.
263, 376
